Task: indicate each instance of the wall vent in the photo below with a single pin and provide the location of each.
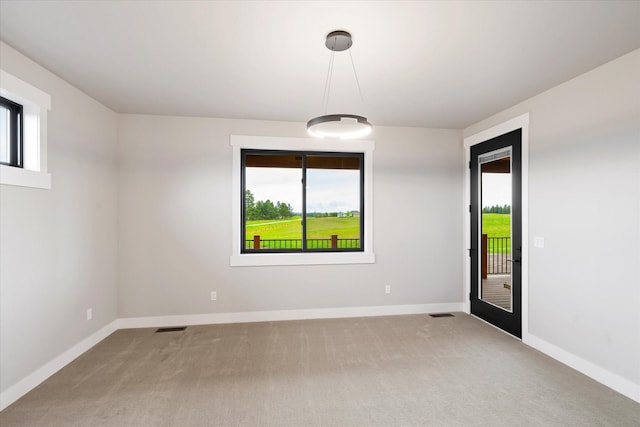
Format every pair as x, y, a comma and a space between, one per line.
171, 329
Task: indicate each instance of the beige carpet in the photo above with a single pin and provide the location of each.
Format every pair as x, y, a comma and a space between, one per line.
388, 371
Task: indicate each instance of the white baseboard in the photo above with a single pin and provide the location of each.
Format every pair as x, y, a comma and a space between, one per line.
270, 316
603, 376
34, 379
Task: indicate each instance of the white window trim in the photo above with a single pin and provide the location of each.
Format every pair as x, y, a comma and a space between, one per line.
239, 142
35, 104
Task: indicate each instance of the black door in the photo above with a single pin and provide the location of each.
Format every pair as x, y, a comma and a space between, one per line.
496, 232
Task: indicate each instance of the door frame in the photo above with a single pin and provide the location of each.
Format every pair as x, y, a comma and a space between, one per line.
519, 122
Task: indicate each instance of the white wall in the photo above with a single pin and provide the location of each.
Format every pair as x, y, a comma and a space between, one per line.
175, 223
584, 199
58, 247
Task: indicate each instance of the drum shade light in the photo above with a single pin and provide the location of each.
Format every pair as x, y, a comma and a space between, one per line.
342, 126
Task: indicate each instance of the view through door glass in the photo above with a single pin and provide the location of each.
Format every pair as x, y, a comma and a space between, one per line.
495, 184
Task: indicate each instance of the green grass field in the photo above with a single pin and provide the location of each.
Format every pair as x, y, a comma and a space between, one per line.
497, 225
317, 228
274, 229
493, 225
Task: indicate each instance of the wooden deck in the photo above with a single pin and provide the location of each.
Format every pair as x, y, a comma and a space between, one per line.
495, 292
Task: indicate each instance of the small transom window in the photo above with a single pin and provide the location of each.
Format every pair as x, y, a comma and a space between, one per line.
10, 133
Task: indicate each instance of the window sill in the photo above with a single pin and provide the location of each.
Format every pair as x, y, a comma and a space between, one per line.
24, 177
247, 260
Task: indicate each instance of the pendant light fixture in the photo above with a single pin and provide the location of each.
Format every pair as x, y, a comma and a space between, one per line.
343, 126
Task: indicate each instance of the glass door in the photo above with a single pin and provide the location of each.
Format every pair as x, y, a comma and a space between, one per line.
496, 232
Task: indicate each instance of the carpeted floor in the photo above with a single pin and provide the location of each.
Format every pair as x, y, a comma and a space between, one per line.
378, 371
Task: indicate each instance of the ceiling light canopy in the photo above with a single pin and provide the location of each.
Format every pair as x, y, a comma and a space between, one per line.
343, 126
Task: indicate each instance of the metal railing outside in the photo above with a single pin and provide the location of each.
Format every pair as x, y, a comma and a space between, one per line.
499, 255
332, 243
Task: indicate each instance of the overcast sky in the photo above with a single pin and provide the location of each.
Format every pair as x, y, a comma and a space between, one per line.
327, 190
337, 190
496, 189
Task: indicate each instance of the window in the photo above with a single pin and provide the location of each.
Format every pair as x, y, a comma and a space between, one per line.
318, 194
10, 133
23, 133
298, 201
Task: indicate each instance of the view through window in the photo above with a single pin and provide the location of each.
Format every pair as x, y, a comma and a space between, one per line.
302, 201
10, 133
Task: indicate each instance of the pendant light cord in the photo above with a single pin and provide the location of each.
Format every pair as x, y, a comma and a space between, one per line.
357, 81
327, 84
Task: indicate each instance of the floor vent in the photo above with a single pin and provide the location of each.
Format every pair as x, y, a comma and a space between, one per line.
442, 315
173, 329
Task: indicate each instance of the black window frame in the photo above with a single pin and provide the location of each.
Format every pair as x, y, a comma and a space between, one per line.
303, 249
15, 134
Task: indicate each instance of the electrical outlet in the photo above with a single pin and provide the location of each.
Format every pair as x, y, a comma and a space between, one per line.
387, 289
214, 295
89, 313
538, 242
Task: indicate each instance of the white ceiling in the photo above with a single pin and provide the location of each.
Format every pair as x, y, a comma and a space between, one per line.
427, 64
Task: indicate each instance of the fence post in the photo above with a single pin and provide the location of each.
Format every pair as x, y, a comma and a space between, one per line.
334, 241
484, 256
256, 242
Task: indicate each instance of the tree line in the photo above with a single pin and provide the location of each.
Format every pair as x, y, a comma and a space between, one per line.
504, 209
265, 209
